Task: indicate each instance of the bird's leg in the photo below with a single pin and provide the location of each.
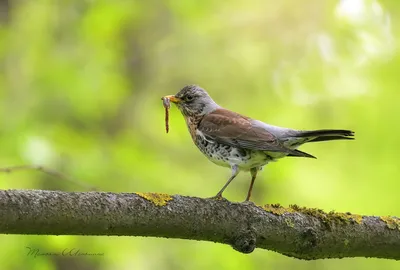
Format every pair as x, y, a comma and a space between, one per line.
235, 171
253, 172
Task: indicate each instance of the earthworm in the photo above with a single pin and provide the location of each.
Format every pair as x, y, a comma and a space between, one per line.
167, 105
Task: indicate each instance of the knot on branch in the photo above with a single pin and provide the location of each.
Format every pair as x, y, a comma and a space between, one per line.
244, 242
308, 240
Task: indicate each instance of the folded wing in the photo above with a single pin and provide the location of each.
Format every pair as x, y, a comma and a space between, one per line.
233, 129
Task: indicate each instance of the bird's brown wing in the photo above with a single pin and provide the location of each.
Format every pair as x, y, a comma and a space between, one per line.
233, 129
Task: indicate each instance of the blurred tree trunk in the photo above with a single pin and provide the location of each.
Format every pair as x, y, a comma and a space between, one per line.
4, 11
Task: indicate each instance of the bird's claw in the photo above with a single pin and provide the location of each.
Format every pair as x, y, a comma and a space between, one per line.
247, 202
218, 197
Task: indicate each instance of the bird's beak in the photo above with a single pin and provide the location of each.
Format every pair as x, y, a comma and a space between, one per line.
173, 99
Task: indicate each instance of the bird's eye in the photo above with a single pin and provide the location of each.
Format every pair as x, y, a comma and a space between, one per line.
189, 98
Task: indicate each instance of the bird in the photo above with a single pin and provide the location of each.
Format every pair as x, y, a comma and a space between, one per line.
232, 140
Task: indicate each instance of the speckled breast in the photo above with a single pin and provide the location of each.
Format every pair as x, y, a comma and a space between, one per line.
226, 155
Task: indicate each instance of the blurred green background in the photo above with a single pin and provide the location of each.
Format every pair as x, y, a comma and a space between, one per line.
80, 88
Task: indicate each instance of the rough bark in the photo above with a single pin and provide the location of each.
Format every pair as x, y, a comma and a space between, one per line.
298, 232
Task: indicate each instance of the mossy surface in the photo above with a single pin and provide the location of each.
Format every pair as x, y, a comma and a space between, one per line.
277, 209
159, 199
318, 213
391, 222
289, 222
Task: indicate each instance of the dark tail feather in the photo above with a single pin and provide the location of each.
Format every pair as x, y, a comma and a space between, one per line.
298, 153
330, 138
326, 135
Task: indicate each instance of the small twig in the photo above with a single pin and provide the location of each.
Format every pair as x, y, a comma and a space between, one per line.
51, 172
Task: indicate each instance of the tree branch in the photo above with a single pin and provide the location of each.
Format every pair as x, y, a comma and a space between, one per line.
298, 232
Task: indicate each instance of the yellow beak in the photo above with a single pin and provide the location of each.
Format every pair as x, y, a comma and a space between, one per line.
173, 99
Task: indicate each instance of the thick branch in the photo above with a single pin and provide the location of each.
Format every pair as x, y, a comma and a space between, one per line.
297, 232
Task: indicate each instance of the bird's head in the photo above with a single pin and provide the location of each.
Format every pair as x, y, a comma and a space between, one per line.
193, 100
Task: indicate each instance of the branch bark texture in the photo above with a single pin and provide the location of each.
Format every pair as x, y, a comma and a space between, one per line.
294, 231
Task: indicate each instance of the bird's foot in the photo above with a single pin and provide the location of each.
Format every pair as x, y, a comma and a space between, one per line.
218, 197
250, 203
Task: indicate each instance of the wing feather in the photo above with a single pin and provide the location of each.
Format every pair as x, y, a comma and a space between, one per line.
233, 129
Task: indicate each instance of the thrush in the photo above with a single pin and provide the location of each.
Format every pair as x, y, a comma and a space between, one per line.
239, 142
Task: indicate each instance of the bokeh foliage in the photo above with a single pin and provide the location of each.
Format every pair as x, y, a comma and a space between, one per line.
80, 88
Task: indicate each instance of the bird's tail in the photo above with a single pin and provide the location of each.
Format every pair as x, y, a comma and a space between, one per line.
326, 135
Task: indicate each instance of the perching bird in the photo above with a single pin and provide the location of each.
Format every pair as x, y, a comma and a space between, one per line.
233, 140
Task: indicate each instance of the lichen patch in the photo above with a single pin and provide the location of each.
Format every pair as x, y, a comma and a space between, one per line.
325, 217
159, 199
391, 222
277, 209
